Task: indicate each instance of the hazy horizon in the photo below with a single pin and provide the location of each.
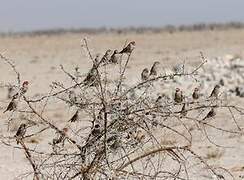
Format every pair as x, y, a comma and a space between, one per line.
31, 15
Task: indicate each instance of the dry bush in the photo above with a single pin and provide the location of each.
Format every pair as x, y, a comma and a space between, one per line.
129, 134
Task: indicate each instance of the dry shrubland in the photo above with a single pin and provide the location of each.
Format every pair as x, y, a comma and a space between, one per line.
119, 130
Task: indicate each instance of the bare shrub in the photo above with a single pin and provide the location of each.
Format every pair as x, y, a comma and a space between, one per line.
131, 132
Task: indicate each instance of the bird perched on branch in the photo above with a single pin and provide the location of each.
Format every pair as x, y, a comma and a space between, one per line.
24, 88
159, 101
195, 94
129, 48
145, 74
215, 91
72, 97
96, 130
13, 104
75, 117
20, 133
12, 90
106, 57
183, 111
154, 68
61, 136
96, 61
115, 57
178, 98
210, 114
91, 78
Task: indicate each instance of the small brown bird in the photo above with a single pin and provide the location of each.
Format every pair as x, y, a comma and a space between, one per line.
96, 130
75, 117
106, 57
145, 74
115, 57
96, 61
195, 94
129, 48
178, 96
72, 97
91, 78
210, 114
139, 136
12, 90
60, 137
154, 68
159, 101
13, 104
20, 133
215, 92
24, 88
183, 111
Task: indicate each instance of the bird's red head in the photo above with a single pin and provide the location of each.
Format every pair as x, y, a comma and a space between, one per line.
65, 130
25, 83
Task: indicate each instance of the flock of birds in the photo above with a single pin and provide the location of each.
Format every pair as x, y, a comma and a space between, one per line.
15, 93
146, 74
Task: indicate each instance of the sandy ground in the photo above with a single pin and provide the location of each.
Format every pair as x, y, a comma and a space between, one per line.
38, 59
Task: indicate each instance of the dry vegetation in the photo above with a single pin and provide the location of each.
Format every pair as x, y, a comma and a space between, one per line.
119, 130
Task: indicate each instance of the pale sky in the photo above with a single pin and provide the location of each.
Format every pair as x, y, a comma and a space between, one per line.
27, 15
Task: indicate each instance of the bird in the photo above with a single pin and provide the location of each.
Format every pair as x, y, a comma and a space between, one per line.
178, 96
159, 101
178, 69
139, 136
129, 48
12, 90
96, 61
24, 88
75, 117
195, 94
106, 56
72, 97
215, 91
96, 130
154, 68
210, 114
13, 104
60, 137
91, 76
115, 57
145, 74
20, 133
183, 111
